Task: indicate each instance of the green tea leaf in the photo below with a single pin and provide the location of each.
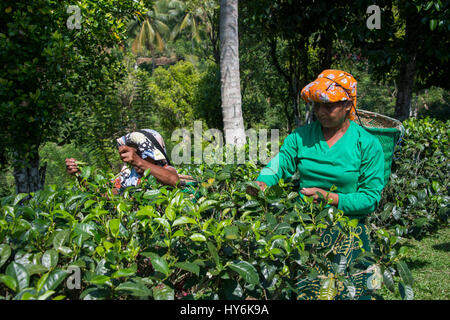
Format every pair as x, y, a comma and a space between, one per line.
197, 237
250, 204
89, 203
215, 255
388, 280
406, 291
9, 281
404, 273
163, 292
54, 279
123, 273
206, 205
35, 269
231, 232
189, 266
5, 253
114, 225
95, 294
62, 214
100, 279
86, 172
65, 250
158, 262
86, 229
135, 289
19, 198
41, 282
412, 199
61, 238
147, 211
183, 220
163, 222
170, 212
19, 274
246, 271
46, 295
178, 233
274, 191
50, 259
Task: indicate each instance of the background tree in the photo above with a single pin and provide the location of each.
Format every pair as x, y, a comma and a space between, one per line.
410, 48
300, 39
200, 18
148, 30
50, 70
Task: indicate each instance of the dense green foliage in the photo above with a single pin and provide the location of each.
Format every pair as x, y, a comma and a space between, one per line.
68, 92
416, 199
57, 67
163, 244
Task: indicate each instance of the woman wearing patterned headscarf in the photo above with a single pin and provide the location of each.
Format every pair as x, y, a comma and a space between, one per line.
140, 150
333, 150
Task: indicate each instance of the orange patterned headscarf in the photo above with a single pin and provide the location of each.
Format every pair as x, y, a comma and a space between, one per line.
332, 86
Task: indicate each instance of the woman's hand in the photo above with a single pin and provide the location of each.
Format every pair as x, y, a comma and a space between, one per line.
129, 155
261, 185
253, 191
312, 192
71, 166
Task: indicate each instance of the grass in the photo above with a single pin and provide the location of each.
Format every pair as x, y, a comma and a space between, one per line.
429, 262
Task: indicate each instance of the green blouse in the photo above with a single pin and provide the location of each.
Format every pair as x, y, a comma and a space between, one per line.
354, 164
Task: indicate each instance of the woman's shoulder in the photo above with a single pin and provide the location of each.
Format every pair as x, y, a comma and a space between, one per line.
304, 133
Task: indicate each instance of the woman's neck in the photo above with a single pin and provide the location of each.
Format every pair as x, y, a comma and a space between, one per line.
329, 132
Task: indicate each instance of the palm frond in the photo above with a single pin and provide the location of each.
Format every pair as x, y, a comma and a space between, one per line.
160, 42
185, 22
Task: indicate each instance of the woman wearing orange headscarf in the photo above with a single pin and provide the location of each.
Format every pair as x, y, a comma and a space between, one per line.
333, 150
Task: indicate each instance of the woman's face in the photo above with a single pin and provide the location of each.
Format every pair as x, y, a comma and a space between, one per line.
332, 115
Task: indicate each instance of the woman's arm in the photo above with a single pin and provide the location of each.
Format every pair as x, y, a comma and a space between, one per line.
370, 184
166, 176
72, 169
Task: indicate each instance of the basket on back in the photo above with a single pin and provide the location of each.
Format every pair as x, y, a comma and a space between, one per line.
387, 130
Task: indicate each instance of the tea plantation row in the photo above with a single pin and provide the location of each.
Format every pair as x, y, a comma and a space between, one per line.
213, 241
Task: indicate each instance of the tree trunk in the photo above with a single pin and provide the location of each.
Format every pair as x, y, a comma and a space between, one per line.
29, 177
233, 122
295, 95
405, 84
288, 116
292, 81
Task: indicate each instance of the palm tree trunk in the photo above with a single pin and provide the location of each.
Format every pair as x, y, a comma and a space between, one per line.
233, 121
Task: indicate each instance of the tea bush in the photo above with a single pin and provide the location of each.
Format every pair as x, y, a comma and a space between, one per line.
416, 199
212, 241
